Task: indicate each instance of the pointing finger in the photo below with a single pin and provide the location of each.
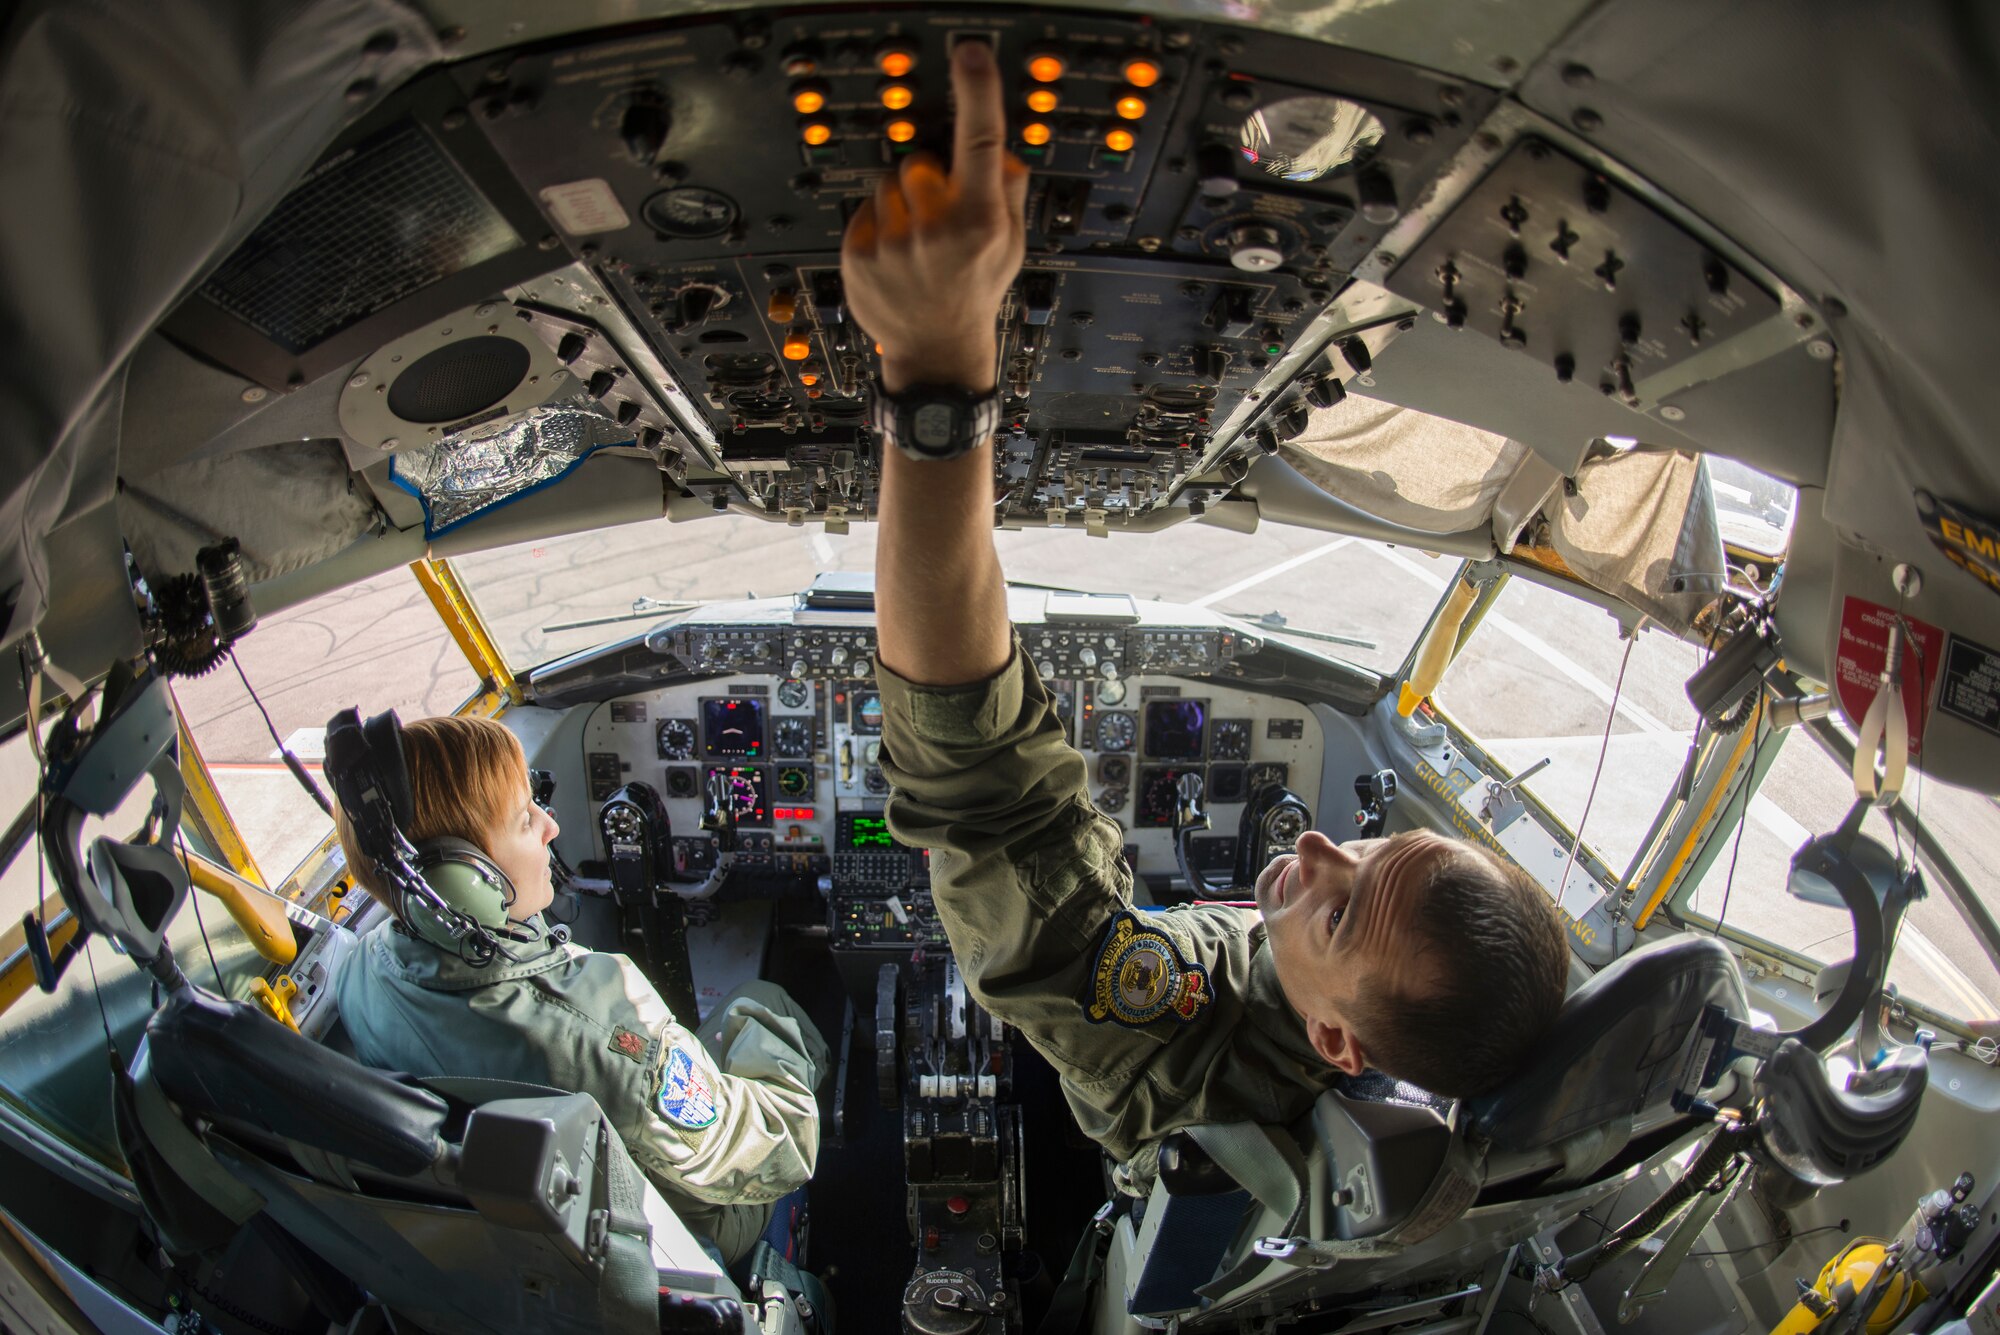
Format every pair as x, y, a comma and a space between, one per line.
892, 215
1015, 172
982, 124
860, 239
923, 184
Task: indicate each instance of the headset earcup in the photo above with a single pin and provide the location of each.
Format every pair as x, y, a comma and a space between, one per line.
466, 878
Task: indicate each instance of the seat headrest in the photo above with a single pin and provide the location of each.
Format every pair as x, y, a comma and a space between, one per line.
229, 1062
1615, 1049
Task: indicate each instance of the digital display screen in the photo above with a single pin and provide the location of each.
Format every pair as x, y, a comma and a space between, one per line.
733, 726
1173, 729
861, 832
744, 790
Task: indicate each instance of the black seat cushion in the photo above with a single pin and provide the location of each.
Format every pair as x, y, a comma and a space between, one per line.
230, 1063
1616, 1047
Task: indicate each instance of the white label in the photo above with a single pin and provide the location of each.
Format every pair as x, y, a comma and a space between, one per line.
583, 207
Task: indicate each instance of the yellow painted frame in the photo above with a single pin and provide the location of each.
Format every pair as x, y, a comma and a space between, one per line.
455, 608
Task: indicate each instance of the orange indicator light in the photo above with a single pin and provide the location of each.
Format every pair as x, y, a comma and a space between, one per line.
897, 96
816, 133
797, 348
895, 62
808, 379
1045, 69
807, 100
1141, 73
1119, 141
1129, 107
901, 132
1042, 101
1035, 133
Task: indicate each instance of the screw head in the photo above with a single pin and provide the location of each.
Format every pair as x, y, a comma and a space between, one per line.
1586, 120
1820, 350
254, 394
1672, 412
359, 380
391, 443
1578, 76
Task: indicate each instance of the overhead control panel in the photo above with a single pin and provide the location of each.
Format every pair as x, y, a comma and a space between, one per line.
1197, 197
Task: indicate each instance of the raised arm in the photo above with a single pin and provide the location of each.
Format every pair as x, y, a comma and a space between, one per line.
927, 262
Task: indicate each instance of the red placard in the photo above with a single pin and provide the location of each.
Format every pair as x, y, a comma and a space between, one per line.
1857, 663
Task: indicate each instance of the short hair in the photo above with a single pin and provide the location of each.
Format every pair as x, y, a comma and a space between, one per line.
467, 777
1499, 960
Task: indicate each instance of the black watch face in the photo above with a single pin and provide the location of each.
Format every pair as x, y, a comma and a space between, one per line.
933, 426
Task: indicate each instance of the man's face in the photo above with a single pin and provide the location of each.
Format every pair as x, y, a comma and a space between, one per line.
1341, 920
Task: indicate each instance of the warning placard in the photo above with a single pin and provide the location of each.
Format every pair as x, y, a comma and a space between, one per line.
1971, 689
1857, 663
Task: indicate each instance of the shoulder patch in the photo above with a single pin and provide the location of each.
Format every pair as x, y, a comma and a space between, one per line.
629, 1043
1141, 975
686, 1099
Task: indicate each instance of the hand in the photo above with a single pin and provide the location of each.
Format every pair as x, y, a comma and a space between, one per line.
928, 259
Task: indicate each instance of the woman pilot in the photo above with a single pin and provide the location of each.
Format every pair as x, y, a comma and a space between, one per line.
724, 1123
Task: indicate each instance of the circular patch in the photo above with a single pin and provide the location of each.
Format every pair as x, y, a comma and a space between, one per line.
1143, 973
1140, 977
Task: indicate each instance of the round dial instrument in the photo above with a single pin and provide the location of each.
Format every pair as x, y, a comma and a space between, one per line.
795, 781
1229, 739
676, 739
621, 822
1284, 825
793, 694
793, 740
1111, 692
1116, 732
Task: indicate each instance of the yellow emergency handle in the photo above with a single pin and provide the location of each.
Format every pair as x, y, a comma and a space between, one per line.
1842, 1281
1434, 654
276, 999
257, 911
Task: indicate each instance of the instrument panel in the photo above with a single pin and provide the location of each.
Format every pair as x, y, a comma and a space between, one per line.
795, 759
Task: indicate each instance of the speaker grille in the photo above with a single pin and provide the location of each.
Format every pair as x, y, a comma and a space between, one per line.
459, 380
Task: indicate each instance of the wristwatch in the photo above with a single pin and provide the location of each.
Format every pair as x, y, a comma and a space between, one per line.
936, 421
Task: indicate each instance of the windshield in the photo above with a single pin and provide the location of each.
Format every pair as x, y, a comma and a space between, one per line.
1357, 601
1753, 510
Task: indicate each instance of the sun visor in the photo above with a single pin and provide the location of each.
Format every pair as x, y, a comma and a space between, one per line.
1404, 466
1642, 527
290, 506
461, 478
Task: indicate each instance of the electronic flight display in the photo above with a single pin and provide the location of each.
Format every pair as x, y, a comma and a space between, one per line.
1174, 729
745, 788
862, 831
733, 727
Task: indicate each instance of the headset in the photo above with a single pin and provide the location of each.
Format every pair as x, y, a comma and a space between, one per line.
446, 891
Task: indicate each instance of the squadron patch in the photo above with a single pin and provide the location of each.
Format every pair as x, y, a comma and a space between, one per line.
1140, 976
686, 1098
628, 1043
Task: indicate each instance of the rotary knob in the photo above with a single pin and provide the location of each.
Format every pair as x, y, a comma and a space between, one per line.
837, 655
1108, 670
1087, 656
1256, 247
799, 668
1046, 667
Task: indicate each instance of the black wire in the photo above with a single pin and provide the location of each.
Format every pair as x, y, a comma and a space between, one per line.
291, 761
194, 898
1743, 819
1781, 1244
104, 1017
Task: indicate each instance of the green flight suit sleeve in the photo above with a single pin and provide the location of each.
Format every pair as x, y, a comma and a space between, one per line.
1030, 882
727, 1116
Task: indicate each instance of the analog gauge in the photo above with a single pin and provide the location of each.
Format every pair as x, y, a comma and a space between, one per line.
1111, 692
676, 739
1114, 770
795, 781
1159, 795
1112, 798
1284, 825
793, 740
1229, 739
872, 753
794, 694
1116, 732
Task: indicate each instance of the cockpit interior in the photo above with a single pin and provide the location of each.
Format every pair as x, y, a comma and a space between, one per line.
1559, 425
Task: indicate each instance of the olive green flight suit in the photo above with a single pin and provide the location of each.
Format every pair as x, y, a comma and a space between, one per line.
1155, 1020
724, 1123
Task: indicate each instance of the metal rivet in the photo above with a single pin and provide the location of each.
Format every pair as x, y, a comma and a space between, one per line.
358, 380
254, 393
1578, 76
1672, 413
1385, 258
1586, 120
1506, 64
1819, 350
549, 241
391, 443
